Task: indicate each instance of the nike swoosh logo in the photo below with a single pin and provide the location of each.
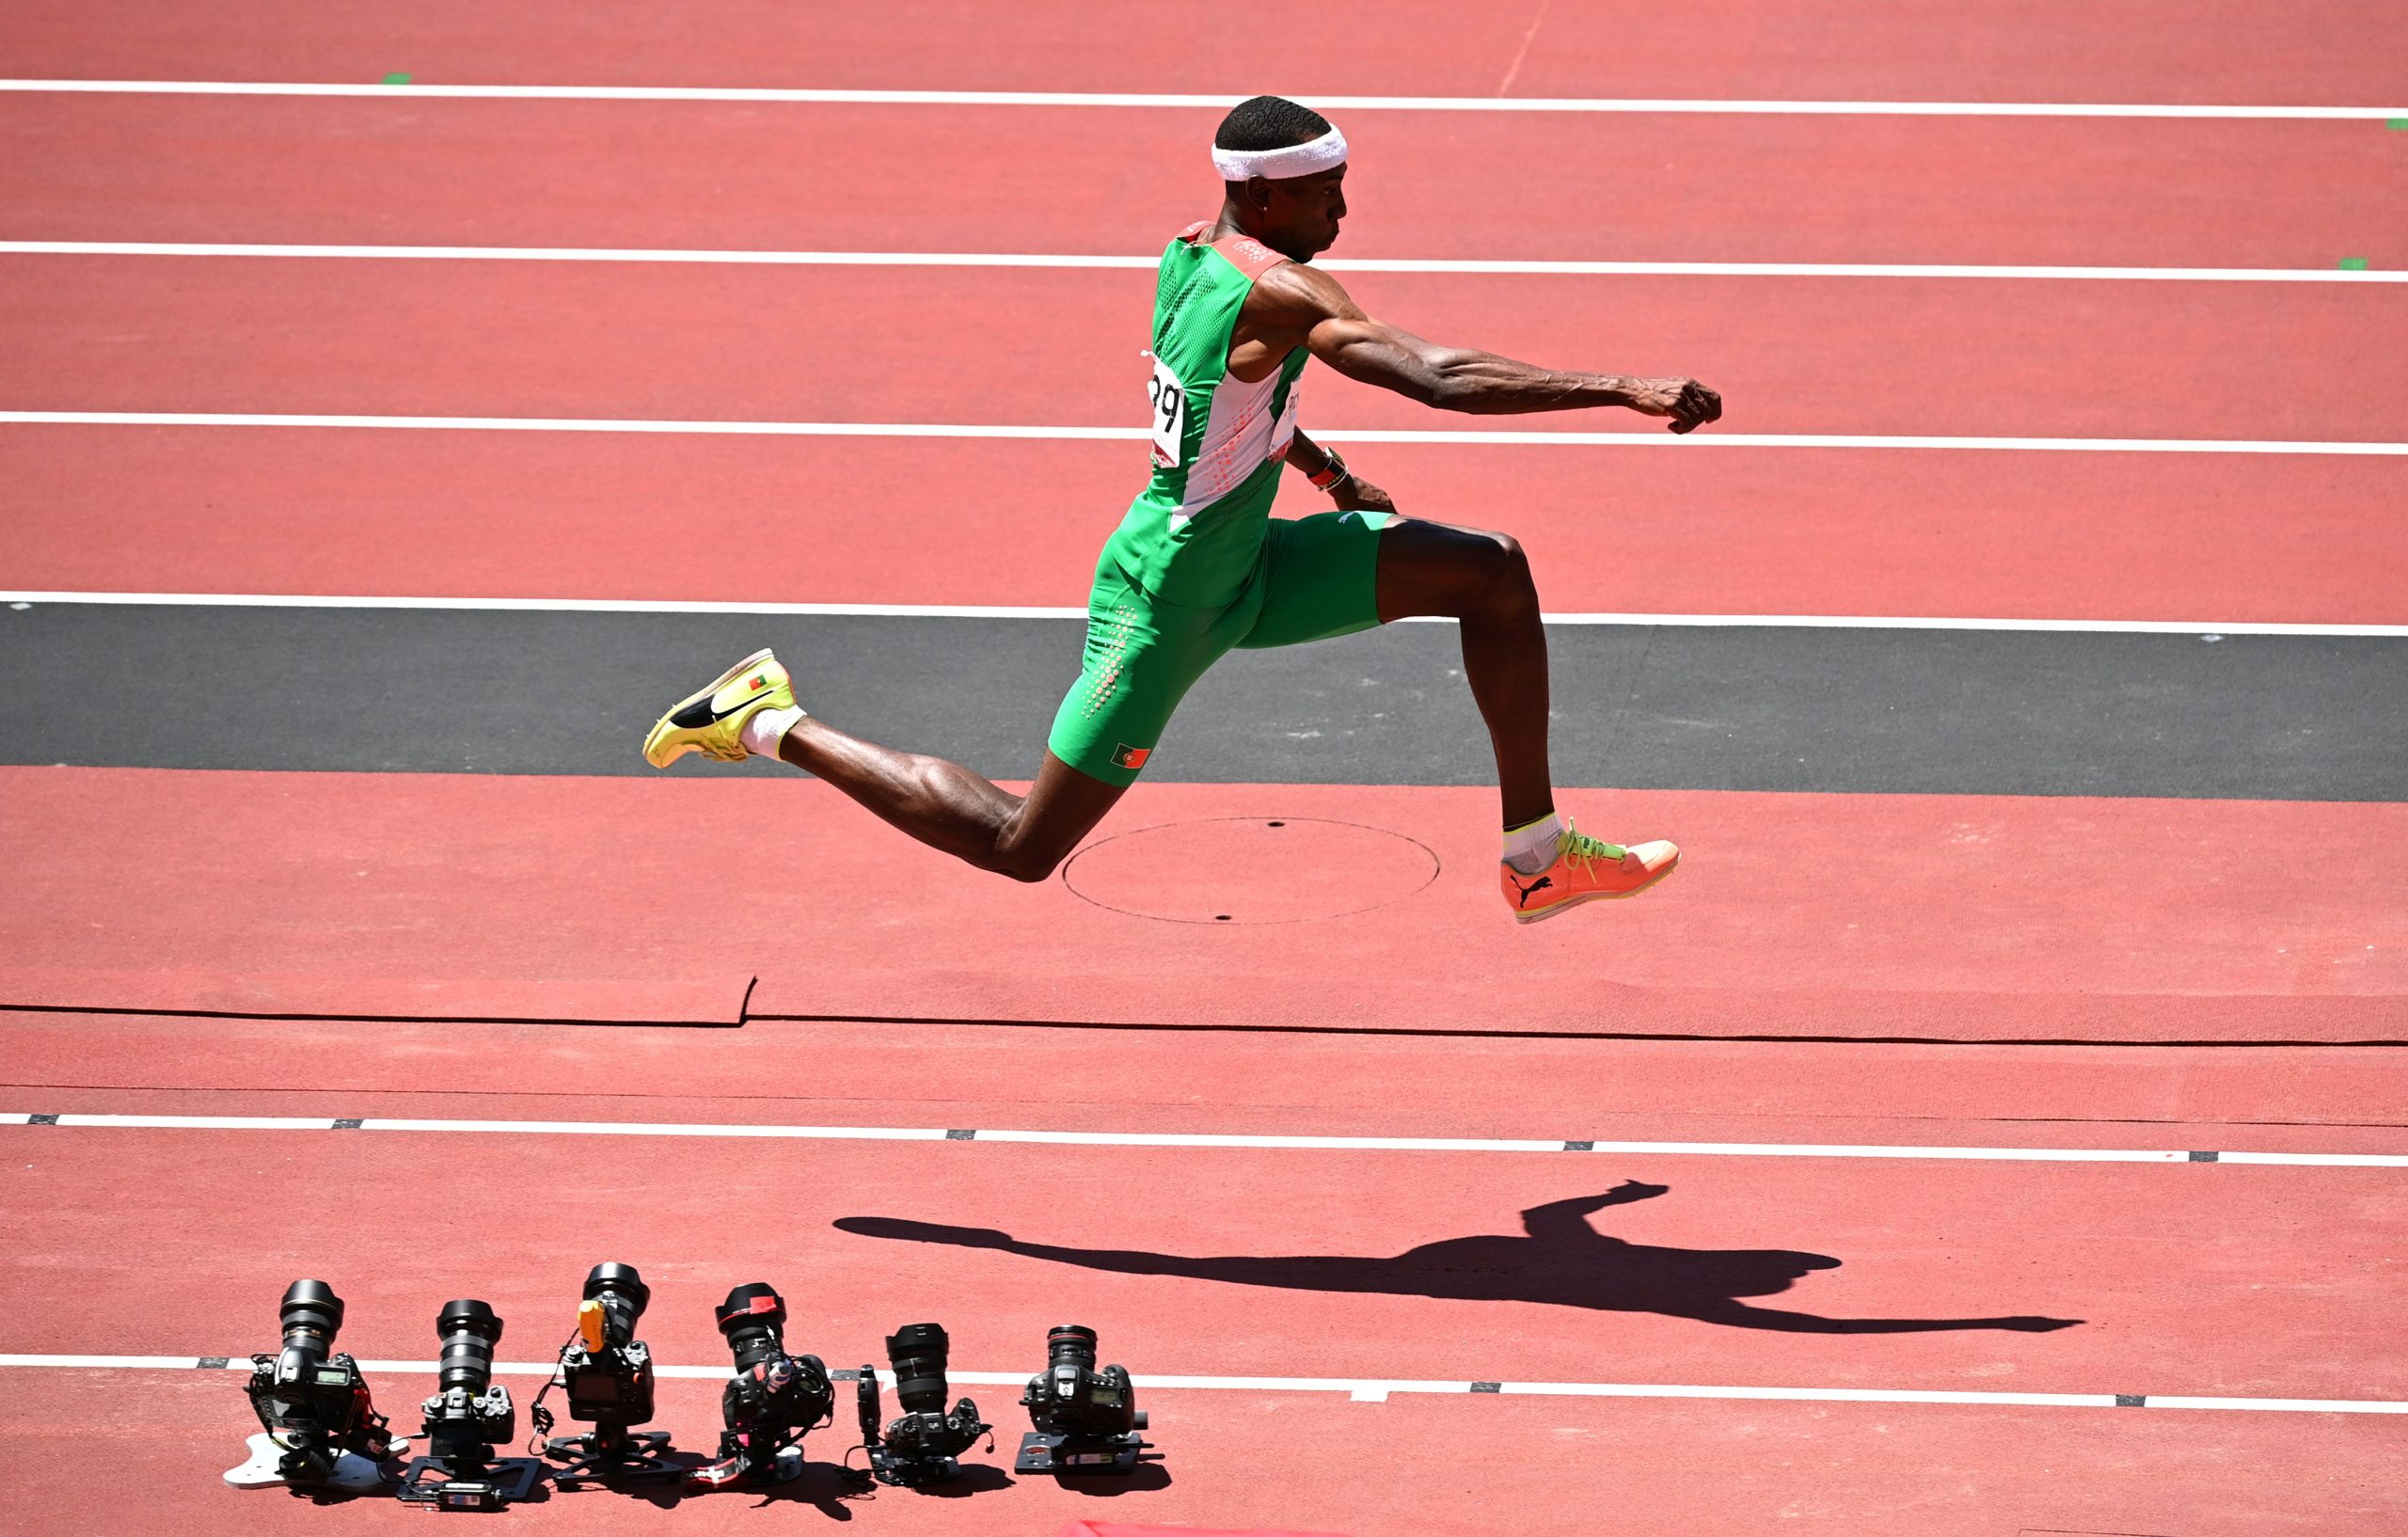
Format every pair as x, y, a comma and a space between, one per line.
703, 712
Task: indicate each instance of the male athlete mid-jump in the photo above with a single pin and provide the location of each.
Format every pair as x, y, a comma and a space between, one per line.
1199, 566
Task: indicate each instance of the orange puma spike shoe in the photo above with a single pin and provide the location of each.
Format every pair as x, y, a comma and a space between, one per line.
1586, 868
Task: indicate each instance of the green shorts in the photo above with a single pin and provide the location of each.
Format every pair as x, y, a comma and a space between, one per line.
1317, 576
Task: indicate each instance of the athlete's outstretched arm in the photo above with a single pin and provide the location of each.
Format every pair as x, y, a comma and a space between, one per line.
1739, 1314
1309, 304
1569, 1219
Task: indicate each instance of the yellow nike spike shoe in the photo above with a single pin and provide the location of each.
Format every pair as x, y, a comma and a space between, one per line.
1585, 869
711, 721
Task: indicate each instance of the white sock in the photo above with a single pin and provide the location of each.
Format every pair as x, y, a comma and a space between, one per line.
767, 729
1532, 848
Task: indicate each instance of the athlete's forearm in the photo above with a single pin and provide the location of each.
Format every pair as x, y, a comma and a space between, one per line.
1465, 378
1307, 456
1484, 384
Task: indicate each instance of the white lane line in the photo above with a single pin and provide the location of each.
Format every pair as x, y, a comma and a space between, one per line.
552, 605
988, 611
2292, 1406
574, 1127
2310, 1159
1167, 98
193, 1123
1018, 259
1200, 1139
1707, 439
1361, 1390
125, 1363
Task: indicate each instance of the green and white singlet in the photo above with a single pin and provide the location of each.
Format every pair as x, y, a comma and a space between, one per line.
1198, 565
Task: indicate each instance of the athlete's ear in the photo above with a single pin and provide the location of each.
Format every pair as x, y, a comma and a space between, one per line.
1258, 193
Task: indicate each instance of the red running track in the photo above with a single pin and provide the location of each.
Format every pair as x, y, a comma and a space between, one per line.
1063, 347
2280, 1266
1427, 185
1926, 916
2270, 1281
2338, 52
2168, 1278
2223, 539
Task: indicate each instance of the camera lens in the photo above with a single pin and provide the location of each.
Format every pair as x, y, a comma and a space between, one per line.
917, 1353
1071, 1344
469, 1331
751, 1318
311, 1313
622, 1295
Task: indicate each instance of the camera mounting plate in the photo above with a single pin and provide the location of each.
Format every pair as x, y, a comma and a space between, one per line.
353, 1474
594, 1458
501, 1480
1043, 1454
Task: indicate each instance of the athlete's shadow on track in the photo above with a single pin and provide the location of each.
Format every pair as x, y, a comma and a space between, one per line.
1562, 1260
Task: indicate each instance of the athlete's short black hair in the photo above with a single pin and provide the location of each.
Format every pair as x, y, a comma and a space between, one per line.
1269, 122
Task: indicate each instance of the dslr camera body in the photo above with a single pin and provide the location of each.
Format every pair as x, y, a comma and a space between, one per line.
469, 1416
771, 1402
607, 1373
923, 1445
1086, 1419
321, 1428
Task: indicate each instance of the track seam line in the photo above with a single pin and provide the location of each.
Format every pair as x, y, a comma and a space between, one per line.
1362, 1389
1194, 1140
834, 96
1120, 263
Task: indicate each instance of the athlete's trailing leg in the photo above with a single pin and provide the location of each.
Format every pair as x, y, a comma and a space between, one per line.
750, 710
949, 807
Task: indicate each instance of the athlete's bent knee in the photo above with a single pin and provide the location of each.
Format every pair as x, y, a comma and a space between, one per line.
1025, 860
1506, 582
1028, 868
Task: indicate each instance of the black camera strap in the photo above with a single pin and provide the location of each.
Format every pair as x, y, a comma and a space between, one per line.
539, 1419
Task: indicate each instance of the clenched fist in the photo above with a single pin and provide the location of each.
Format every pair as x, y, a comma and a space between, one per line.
1689, 404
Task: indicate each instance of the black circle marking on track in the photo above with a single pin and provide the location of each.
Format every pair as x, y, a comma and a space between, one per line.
1238, 870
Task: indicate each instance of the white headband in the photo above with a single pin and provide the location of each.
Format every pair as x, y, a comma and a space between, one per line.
1326, 152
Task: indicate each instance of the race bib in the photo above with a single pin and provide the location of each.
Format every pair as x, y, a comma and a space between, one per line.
1169, 401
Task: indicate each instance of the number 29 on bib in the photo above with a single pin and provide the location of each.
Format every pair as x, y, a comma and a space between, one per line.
1170, 402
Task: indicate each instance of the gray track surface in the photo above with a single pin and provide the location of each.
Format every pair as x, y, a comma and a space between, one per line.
1978, 712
